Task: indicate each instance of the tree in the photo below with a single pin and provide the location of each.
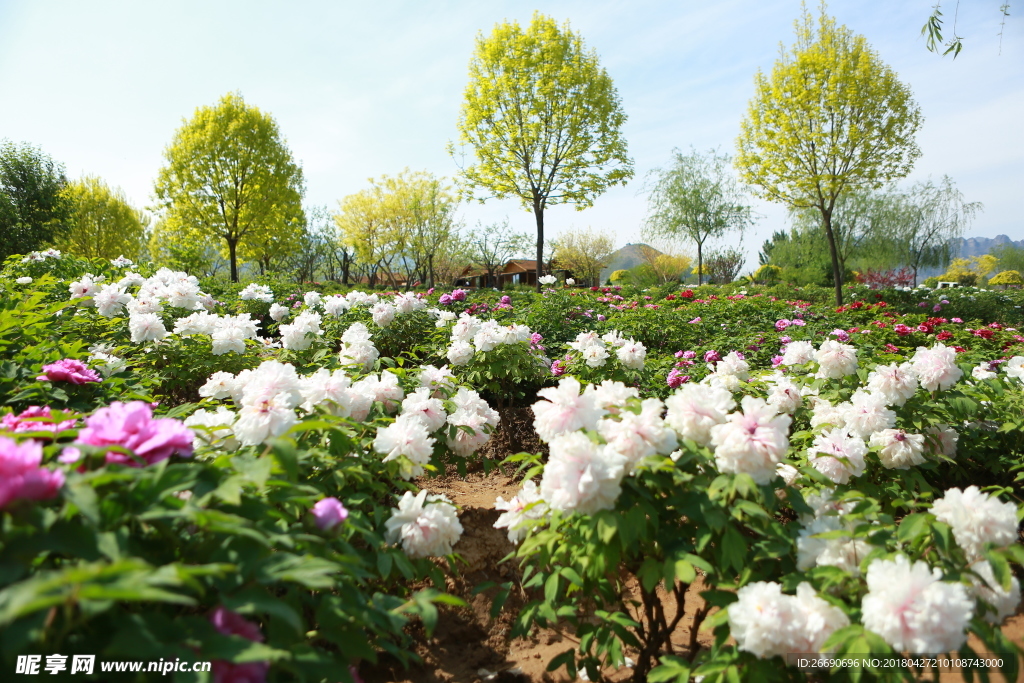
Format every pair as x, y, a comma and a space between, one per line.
230, 176
1010, 256
544, 121
931, 218
491, 246
696, 198
177, 248
832, 119
33, 207
584, 253
665, 267
723, 266
102, 224
426, 213
932, 30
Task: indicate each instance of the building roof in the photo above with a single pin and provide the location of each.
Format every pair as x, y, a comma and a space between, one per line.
520, 266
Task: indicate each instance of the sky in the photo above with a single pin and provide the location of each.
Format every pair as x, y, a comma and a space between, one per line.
365, 89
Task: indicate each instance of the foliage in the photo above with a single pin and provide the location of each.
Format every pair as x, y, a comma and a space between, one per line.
1007, 277
696, 198
102, 223
33, 207
229, 176
544, 121
852, 129
583, 253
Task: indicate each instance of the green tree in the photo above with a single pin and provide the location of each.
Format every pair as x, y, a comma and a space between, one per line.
696, 198
102, 223
1010, 256
33, 207
544, 121
584, 253
925, 224
831, 119
177, 248
230, 176
491, 246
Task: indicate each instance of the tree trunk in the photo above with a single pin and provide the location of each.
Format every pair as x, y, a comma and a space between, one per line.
232, 256
837, 272
344, 267
700, 263
538, 212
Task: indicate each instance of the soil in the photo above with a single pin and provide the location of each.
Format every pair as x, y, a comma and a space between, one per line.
470, 647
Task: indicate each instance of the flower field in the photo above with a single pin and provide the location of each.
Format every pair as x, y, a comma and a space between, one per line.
252, 476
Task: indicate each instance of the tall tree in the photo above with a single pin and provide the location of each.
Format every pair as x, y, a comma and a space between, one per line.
230, 175
584, 253
33, 207
930, 220
491, 246
696, 198
544, 121
102, 223
832, 119
425, 210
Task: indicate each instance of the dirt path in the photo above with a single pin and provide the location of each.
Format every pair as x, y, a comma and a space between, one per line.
470, 647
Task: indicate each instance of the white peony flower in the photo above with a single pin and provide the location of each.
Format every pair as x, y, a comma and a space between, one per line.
843, 552
146, 327
632, 355
866, 414
787, 472
460, 353
798, 353
824, 413
430, 411
785, 394
986, 588
525, 507
595, 356
268, 419
111, 299
695, 408
581, 475
610, 395
977, 519
24, 280
753, 441
936, 367
383, 313
838, 455
219, 385
255, 292
835, 359
941, 439
912, 609
426, 526
213, 425
87, 286
278, 312
440, 381
637, 436
329, 389
897, 449
763, 620
229, 336
815, 620
982, 371
547, 279
733, 365
1014, 368
565, 410
896, 383
312, 299
383, 388
407, 437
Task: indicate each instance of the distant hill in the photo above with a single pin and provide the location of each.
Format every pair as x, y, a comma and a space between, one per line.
972, 246
629, 256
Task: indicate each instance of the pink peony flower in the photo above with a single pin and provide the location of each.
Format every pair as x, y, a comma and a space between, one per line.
459, 295
69, 370
34, 419
676, 379
329, 513
233, 624
780, 325
712, 356
132, 426
21, 477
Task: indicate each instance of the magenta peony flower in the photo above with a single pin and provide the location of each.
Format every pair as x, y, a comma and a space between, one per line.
34, 419
69, 370
459, 295
21, 477
676, 379
329, 513
557, 368
712, 356
507, 300
780, 325
445, 299
132, 426
233, 624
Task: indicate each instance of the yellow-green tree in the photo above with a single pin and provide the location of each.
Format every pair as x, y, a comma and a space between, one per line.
544, 121
102, 224
583, 252
831, 119
229, 175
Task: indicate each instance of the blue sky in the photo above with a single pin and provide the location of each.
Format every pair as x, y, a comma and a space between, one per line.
364, 89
